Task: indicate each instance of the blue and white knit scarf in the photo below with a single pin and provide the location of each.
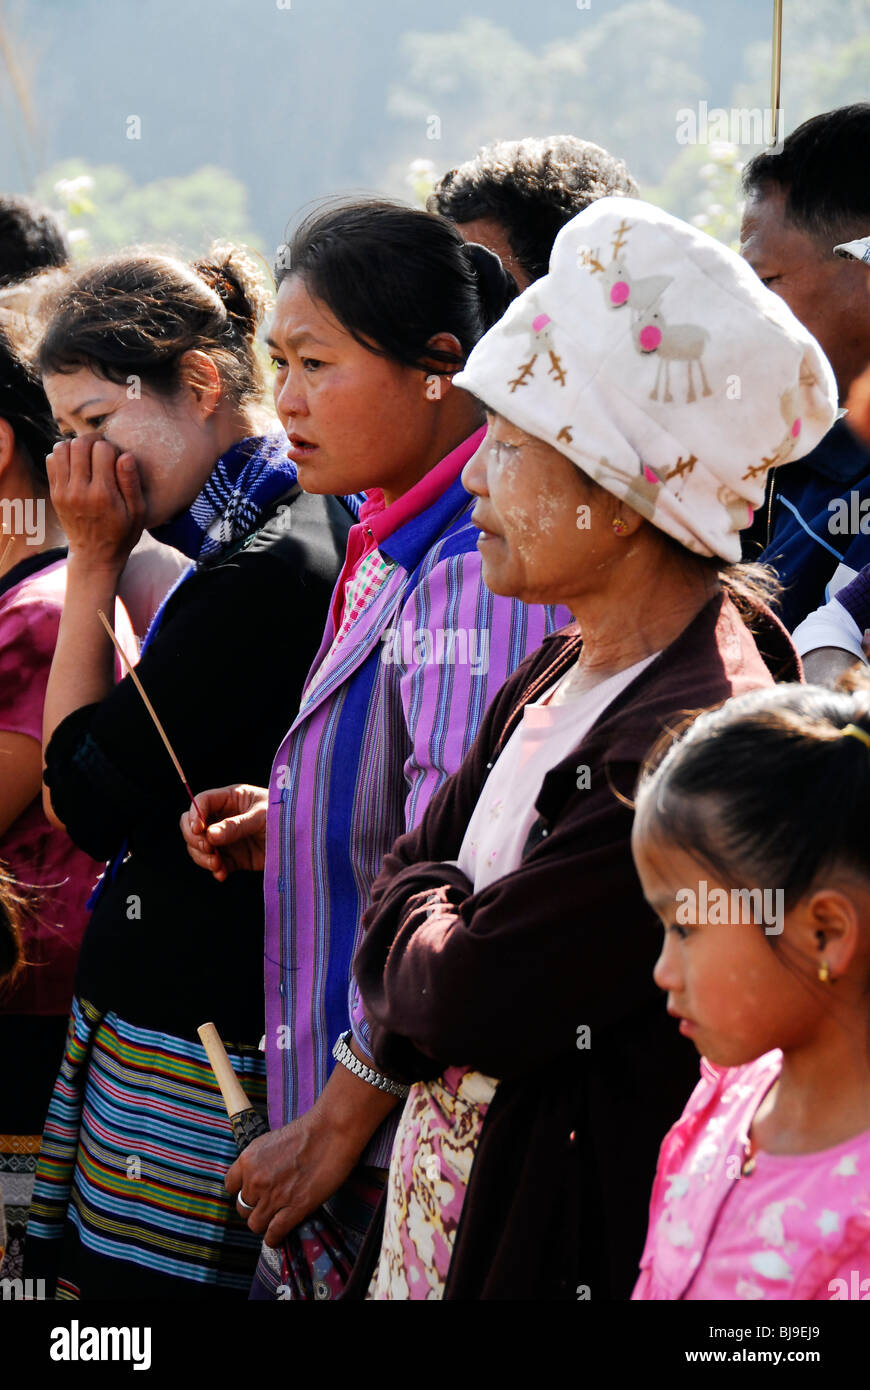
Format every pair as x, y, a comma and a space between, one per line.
243, 483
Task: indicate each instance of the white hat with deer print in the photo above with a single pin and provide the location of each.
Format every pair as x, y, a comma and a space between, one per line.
653, 357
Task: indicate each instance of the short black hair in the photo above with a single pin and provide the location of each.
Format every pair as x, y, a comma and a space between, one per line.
822, 167
394, 276
31, 239
532, 188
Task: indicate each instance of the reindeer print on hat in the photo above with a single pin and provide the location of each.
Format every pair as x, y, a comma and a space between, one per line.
618, 285
680, 342
790, 410
540, 334
589, 257
676, 342
640, 294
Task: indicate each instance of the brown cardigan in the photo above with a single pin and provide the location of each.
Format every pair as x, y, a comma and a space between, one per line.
501, 980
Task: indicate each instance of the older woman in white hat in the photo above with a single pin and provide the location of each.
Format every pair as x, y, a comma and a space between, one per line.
637, 396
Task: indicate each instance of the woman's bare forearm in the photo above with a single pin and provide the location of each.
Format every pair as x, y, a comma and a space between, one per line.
83, 667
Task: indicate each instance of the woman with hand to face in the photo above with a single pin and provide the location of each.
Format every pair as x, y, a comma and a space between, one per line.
506, 970
150, 369
378, 305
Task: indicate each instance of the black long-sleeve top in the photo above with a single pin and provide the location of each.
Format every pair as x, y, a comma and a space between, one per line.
167, 946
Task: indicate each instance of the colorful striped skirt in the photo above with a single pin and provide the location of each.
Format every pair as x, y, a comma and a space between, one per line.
129, 1199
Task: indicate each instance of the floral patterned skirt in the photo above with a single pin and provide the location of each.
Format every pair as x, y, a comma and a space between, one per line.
429, 1171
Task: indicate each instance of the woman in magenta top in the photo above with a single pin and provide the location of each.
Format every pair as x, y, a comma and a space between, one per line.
55, 877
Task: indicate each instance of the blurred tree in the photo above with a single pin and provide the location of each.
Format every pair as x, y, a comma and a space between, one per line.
421, 179
104, 209
825, 60
328, 96
702, 186
618, 80
17, 99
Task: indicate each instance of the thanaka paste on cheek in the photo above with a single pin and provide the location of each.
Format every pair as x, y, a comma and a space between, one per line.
518, 520
150, 436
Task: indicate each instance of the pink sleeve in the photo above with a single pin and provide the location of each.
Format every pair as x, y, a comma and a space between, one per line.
850, 1281
28, 635
29, 627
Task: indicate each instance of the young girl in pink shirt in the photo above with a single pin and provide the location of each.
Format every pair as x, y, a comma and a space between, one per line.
751, 842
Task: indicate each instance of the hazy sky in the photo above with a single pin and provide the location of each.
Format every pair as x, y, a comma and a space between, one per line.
299, 98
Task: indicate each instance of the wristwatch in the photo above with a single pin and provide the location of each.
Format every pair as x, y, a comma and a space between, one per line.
342, 1053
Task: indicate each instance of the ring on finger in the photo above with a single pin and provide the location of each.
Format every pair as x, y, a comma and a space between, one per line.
246, 1206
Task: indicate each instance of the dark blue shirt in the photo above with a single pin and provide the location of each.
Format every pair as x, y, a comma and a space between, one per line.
808, 537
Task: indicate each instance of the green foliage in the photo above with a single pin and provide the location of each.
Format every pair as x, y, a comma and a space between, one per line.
703, 187
825, 59
616, 72
620, 79
105, 210
601, 83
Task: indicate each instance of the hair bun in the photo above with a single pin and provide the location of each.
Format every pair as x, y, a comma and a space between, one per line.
239, 284
497, 286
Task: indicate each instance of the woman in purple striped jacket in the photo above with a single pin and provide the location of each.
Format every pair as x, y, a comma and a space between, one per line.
378, 306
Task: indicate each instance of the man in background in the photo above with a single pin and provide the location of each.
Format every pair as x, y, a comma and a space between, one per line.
516, 195
802, 202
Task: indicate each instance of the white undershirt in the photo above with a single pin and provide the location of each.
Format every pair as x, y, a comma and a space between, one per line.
551, 727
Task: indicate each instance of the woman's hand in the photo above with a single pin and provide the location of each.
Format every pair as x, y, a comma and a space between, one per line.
234, 836
289, 1172
97, 493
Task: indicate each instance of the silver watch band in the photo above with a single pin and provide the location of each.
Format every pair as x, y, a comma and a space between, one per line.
342, 1053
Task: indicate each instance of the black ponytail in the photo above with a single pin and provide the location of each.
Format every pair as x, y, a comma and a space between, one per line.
496, 285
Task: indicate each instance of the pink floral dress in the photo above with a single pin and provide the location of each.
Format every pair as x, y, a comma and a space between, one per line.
775, 1227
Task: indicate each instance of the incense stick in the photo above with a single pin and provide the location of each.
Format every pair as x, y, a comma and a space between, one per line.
151, 710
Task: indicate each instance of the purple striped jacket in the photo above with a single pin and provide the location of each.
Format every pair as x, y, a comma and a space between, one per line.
392, 715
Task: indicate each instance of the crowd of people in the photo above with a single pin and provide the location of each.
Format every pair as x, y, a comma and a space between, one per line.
512, 659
